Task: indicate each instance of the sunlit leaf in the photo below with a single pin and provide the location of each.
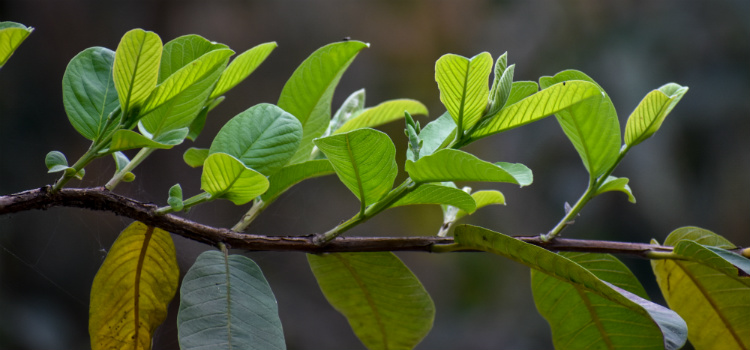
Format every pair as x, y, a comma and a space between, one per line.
136, 69
290, 175
126, 139
226, 177
308, 92
463, 86
385, 304
438, 194
455, 165
483, 199
181, 51
226, 303
617, 184
501, 85
241, 67
521, 90
132, 289
195, 157
12, 34
647, 118
383, 113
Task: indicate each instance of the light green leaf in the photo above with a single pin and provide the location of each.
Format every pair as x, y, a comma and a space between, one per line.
226, 303
502, 84
616, 184
483, 199
591, 125
364, 160
136, 70
226, 177
241, 67
463, 86
89, 94
708, 290
290, 175
264, 137
537, 106
385, 304
438, 194
383, 113
307, 94
183, 50
127, 139
55, 161
647, 118
12, 34
521, 90
194, 157
455, 165
352, 106
583, 311
436, 135
175, 197
121, 160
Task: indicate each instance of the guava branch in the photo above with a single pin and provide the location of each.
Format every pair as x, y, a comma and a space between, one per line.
101, 199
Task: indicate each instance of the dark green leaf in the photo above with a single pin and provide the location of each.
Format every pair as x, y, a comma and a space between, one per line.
175, 197
55, 161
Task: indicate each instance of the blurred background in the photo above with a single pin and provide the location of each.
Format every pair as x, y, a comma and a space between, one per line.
694, 171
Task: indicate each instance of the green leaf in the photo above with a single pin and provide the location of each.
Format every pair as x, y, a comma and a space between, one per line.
226, 303
463, 86
55, 161
483, 199
121, 160
200, 121
591, 125
176, 102
455, 165
501, 84
352, 106
307, 94
241, 67
136, 70
647, 118
385, 304
537, 106
364, 160
182, 51
438, 194
127, 139
226, 177
521, 90
290, 175
264, 137
195, 157
12, 34
385, 112
175, 197
89, 94
436, 135
708, 289
583, 311
616, 184
132, 289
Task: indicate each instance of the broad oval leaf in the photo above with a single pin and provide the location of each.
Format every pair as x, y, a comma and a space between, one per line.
241, 67
226, 303
264, 137
483, 199
386, 305
438, 194
226, 177
290, 175
364, 160
455, 165
194, 157
615, 318
127, 139
647, 118
707, 289
136, 69
89, 94
12, 34
308, 93
55, 161
616, 184
181, 51
463, 86
383, 113
132, 289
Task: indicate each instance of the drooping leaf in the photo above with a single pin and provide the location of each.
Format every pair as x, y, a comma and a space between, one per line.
241, 67
438, 194
537, 106
12, 34
483, 199
455, 165
89, 94
600, 314
290, 175
195, 157
226, 177
181, 51
136, 70
307, 94
226, 303
264, 137
55, 161
127, 139
438, 133
463, 86
710, 291
591, 125
385, 304
132, 289
617, 184
364, 160
383, 113
647, 118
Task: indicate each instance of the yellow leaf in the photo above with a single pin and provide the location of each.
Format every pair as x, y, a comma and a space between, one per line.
132, 289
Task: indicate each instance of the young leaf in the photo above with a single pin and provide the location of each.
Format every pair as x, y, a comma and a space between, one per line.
307, 94
226, 303
121, 160
438, 194
132, 289
12, 34
175, 197
136, 69
127, 139
195, 157
463, 86
89, 94
437, 134
241, 67
710, 291
647, 118
352, 106
383, 113
605, 314
455, 165
501, 85
616, 184
183, 50
226, 177
483, 199
364, 160
385, 304
591, 125
264, 137
55, 161
290, 175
